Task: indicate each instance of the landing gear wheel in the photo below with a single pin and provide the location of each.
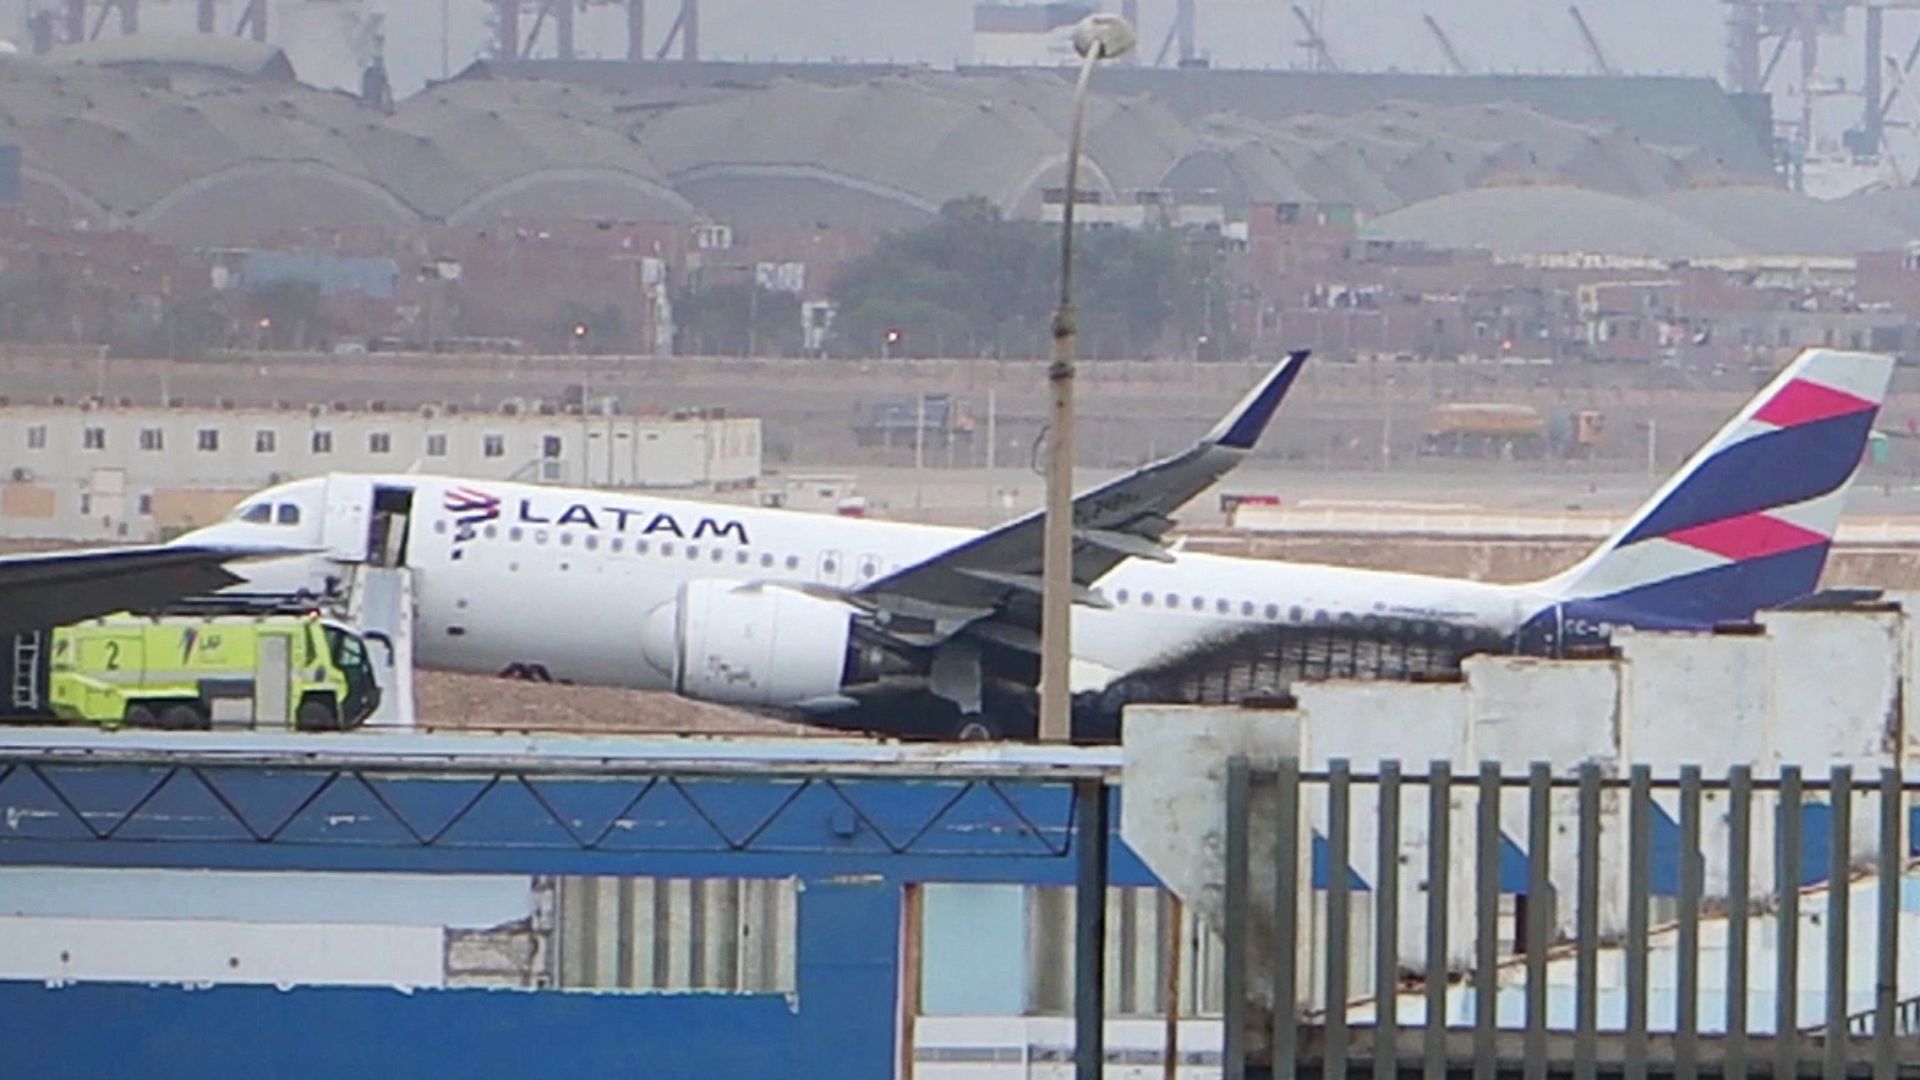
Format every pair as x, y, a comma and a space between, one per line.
182, 718
975, 729
316, 714
140, 715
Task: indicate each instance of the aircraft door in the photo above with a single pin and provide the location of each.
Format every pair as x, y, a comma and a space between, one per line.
387, 533
343, 530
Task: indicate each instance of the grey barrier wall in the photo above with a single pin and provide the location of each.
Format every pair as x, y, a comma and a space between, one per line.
1605, 944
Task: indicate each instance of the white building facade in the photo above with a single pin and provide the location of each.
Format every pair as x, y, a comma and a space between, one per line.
91, 472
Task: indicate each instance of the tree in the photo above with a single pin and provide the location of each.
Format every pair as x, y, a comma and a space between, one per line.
288, 314
713, 321
972, 283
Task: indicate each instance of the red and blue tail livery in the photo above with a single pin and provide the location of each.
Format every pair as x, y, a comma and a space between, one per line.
1747, 522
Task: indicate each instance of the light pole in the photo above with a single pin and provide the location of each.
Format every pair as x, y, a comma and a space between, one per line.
1096, 38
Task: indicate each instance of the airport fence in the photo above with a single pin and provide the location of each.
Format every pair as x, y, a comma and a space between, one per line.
1574, 924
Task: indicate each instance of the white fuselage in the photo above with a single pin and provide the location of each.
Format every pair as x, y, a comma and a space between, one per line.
565, 579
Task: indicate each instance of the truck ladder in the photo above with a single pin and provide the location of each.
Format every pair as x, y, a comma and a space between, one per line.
26, 671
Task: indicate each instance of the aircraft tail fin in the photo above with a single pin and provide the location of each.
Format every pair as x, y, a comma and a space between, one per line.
1748, 521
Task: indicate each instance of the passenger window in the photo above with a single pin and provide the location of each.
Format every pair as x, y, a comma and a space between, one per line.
288, 514
514, 534
1246, 608
615, 545
693, 551
1121, 596
539, 536
741, 558
666, 548
793, 562
490, 532
1223, 606
639, 547
719, 556
1295, 613
766, 560
566, 539
1146, 599
440, 527
1273, 611
1199, 603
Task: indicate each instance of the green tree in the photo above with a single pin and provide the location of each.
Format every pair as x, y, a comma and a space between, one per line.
972, 283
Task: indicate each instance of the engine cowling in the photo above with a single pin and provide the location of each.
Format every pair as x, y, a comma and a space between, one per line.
744, 644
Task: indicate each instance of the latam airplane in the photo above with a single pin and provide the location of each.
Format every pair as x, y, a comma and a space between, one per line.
924, 630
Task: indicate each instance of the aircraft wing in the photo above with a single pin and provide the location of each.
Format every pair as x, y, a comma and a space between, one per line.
53, 588
999, 572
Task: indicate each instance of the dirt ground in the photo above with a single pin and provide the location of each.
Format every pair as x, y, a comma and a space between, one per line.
453, 702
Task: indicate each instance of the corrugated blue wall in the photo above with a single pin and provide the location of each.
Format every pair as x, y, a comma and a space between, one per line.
844, 1025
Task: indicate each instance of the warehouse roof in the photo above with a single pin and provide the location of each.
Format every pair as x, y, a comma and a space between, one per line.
1551, 220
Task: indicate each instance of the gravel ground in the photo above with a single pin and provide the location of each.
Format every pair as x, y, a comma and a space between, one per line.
454, 702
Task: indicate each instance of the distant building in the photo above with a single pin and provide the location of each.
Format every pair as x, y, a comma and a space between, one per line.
86, 472
1026, 35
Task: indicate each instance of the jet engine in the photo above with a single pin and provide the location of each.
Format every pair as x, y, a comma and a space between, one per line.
754, 644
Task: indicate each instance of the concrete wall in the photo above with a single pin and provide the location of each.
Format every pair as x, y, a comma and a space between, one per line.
1812, 688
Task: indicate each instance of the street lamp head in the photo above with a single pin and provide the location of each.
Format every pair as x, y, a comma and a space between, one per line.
1109, 35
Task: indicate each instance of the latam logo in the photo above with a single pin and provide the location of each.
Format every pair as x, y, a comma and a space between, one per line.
472, 508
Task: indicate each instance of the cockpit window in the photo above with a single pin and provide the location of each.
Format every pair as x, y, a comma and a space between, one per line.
258, 513
288, 514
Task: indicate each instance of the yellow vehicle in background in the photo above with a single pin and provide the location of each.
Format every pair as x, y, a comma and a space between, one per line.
182, 672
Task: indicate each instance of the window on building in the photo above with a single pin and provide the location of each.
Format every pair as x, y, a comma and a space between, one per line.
37, 437
94, 438
494, 445
379, 442
323, 442
265, 441
146, 504
86, 503
550, 447
436, 445
209, 439
153, 439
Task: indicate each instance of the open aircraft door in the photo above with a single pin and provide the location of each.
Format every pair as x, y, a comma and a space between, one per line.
349, 513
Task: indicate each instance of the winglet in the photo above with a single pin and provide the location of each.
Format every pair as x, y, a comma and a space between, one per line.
1243, 425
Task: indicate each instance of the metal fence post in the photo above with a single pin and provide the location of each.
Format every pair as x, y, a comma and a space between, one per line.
1887, 967
1639, 884
1839, 901
1286, 919
1486, 911
1786, 1023
1539, 913
1386, 926
1439, 878
1090, 930
1739, 892
1339, 925
1686, 1026
1587, 927
1233, 931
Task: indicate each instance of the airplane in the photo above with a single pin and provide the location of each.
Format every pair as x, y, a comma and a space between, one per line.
922, 630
